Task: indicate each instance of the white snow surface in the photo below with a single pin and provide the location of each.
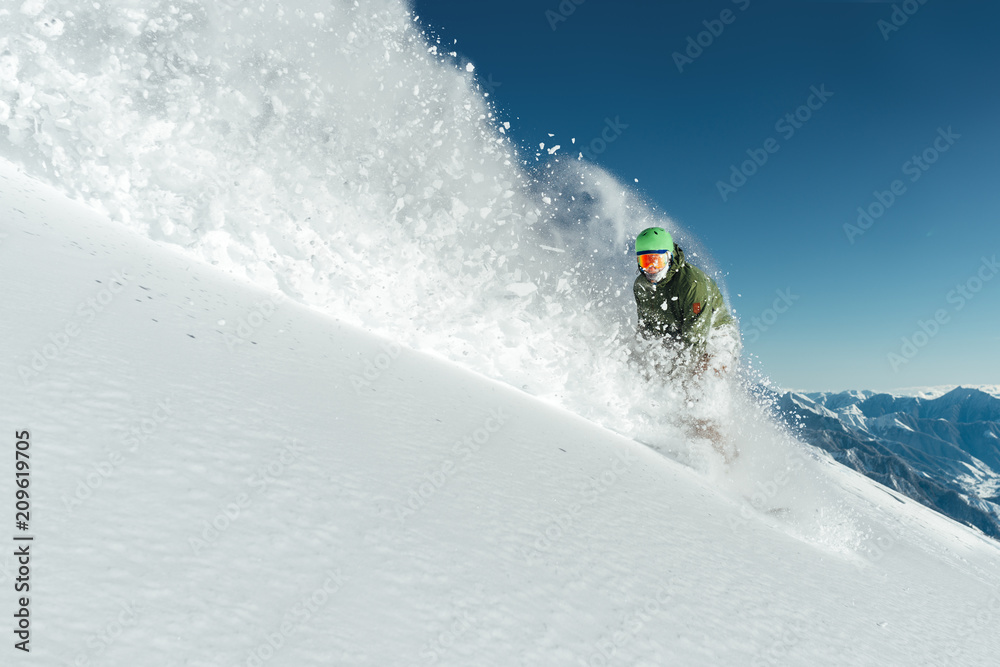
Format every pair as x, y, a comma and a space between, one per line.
218, 482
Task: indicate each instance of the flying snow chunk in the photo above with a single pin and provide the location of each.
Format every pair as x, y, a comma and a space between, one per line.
470, 68
552, 151
50, 27
522, 289
33, 7
9, 65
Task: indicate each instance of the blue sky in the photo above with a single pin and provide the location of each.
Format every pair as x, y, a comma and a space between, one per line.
906, 298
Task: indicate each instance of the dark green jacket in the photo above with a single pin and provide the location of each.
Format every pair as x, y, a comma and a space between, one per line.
684, 306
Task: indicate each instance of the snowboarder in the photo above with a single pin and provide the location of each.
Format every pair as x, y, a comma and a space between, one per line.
679, 304
676, 301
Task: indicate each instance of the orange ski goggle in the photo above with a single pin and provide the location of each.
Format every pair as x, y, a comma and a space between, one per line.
654, 262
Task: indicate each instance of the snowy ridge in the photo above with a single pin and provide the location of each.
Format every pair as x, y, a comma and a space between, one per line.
221, 489
941, 390
942, 449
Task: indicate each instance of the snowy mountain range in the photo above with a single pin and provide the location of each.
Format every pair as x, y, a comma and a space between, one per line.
941, 449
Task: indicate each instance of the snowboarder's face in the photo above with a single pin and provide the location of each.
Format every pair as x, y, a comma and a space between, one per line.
654, 263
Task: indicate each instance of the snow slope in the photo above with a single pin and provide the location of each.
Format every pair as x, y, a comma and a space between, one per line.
218, 483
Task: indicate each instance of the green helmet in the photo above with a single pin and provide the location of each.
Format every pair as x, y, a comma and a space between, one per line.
654, 239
